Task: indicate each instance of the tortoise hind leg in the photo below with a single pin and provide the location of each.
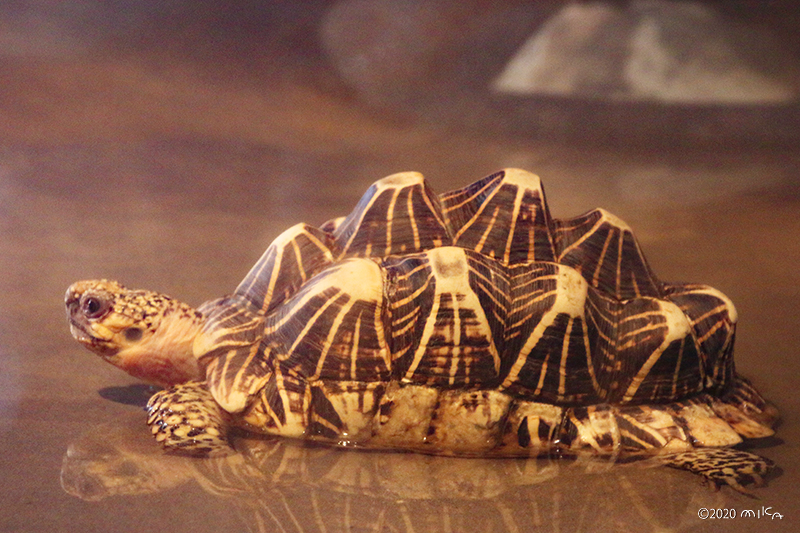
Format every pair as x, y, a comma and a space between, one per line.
186, 419
723, 465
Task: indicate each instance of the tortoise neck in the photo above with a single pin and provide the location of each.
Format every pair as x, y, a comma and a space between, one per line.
166, 358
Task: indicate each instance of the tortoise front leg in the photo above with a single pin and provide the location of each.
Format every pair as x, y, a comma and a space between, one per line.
186, 419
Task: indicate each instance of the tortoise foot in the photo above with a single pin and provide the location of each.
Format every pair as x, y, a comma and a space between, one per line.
186, 419
718, 466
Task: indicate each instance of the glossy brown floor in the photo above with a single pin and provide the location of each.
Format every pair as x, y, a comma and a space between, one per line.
171, 164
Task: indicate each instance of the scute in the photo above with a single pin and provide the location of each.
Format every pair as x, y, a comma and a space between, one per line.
603, 249
290, 261
333, 328
503, 216
713, 318
451, 342
397, 215
229, 347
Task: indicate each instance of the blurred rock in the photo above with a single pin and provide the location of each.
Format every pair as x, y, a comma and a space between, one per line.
675, 52
393, 52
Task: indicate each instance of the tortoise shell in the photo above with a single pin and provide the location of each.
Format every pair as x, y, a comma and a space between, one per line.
474, 322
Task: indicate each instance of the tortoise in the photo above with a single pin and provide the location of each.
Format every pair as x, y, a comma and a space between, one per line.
468, 323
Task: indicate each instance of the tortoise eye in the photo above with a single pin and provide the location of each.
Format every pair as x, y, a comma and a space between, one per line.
94, 307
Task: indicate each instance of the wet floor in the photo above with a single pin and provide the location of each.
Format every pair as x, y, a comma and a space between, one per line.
166, 145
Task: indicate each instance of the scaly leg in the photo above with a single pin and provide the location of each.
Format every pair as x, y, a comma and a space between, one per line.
718, 465
186, 419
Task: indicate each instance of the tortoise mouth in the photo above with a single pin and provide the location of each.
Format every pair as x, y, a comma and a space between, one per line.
83, 335
80, 333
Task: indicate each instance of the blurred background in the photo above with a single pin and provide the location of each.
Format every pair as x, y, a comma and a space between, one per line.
166, 143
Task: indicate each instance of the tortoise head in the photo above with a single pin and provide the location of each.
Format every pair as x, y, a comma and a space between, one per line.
147, 334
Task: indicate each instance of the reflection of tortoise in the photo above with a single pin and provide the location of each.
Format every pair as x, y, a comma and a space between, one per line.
467, 323
279, 484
